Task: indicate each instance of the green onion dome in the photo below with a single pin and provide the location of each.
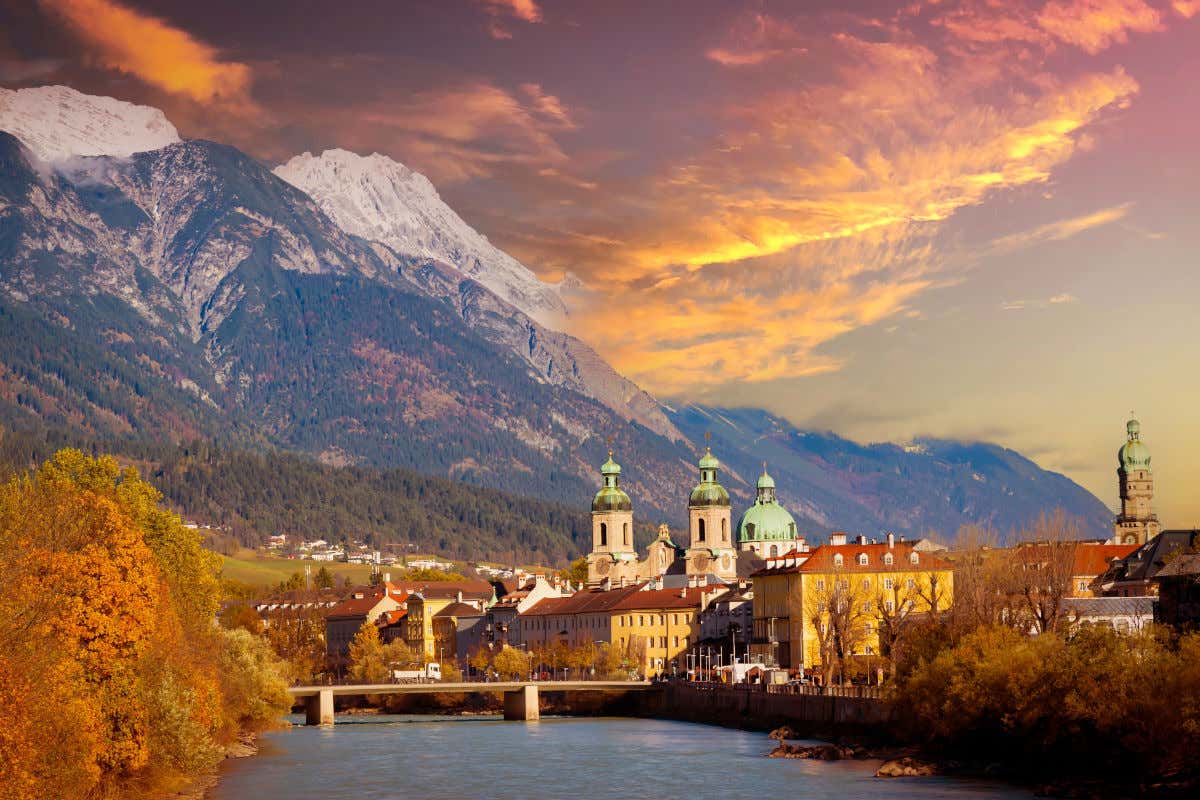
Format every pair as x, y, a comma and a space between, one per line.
1134, 455
766, 520
708, 492
611, 497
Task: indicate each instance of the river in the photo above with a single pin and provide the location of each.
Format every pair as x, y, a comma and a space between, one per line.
386, 757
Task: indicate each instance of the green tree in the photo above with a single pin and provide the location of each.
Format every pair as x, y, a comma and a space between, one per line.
323, 579
577, 573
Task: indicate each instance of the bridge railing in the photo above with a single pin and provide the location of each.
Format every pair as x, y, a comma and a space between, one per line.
812, 690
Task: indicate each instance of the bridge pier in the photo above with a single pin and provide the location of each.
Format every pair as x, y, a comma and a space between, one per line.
318, 708
522, 704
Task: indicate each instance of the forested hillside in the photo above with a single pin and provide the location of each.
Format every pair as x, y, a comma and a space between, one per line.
254, 494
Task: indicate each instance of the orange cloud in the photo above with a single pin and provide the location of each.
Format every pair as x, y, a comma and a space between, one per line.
1094, 25
754, 40
152, 50
1186, 8
464, 131
526, 10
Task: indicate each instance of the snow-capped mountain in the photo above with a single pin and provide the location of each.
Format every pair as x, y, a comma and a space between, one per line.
57, 122
384, 201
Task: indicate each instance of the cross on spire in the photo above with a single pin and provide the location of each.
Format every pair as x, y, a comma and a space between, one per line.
609, 439
708, 441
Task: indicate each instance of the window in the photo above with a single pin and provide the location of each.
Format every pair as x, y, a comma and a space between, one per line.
604, 534
870, 650
867, 628
774, 550
820, 585
724, 530
910, 583
700, 530
887, 559
677, 641
626, 534
837, 559
866, 608
862, 559
890, 606
867, 584
913, 558
641, 620
887, 583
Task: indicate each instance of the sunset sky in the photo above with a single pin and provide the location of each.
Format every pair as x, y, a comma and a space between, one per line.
969, 219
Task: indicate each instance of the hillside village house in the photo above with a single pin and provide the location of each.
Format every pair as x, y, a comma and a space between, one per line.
868, 582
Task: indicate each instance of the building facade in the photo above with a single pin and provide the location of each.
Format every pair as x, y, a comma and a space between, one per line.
613, 558
847, 590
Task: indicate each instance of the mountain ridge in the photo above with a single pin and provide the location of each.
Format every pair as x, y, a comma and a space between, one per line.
189, 292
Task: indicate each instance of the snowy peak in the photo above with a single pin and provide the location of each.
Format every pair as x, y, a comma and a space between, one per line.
57, 122
384, 201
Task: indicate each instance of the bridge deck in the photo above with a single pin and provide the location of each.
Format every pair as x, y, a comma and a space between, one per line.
499, 686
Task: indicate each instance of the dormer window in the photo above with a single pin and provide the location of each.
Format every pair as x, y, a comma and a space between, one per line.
837, 559
913, 558
862, 559
887, 559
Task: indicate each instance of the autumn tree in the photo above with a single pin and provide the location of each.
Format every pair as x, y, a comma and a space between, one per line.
1043, 566
368, 659
839, 609
480, 659
511, 663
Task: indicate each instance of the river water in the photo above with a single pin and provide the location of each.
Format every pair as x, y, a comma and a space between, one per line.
412, 758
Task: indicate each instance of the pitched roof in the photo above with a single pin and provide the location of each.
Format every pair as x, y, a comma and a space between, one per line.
1183, 565
664, 598
391, 617
821, 559
1109, 606
459, 610
590, 601
1146, 561
1087, 558
474, 589
356, 605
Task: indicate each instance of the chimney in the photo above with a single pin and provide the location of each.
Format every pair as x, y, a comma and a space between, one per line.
607, 584
703, 581
459, 596
387, 577
683, 591
622, 581
691, 582
862, 539
837, 539
891, 540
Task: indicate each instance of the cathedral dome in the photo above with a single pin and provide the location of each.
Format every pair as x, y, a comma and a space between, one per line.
766, 520
611, 497
1134, 455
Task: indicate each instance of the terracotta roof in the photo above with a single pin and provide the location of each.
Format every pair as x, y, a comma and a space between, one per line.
391, 617
474, 589
821, 559
354, 606
459, 610
590, 601
1094, 559
664, 598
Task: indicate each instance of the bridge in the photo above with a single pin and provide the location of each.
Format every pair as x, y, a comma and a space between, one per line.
520, 697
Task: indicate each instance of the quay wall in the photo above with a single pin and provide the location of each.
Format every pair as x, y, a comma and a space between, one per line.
815, 712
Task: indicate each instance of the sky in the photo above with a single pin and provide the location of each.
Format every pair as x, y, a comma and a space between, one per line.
972, 219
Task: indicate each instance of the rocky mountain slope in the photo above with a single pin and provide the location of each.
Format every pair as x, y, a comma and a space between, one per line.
188, 292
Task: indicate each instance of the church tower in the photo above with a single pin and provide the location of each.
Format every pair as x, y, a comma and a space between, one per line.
1137, 522
613, 559
712, 549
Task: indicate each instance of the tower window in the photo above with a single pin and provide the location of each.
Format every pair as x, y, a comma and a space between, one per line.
700, 530
626, 530
604, 534
724, 530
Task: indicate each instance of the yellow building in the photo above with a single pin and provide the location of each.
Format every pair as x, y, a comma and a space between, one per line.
427, 600
655, 626
841, 599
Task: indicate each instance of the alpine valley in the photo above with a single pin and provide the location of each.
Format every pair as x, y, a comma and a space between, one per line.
154, 289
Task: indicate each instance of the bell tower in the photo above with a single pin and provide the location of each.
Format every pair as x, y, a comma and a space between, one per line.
613, 557
1137, 523
712, 548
